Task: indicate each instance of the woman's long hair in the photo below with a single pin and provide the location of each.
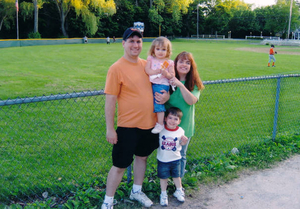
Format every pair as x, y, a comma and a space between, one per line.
192, 78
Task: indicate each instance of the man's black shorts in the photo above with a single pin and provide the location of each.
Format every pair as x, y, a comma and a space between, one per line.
133, 141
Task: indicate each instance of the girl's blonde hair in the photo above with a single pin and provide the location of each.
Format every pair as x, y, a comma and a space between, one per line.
161, 41
192, 78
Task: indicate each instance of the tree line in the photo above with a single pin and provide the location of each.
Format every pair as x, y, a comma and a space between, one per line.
180, 18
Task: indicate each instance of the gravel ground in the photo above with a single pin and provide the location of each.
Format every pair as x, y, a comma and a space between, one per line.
274, 188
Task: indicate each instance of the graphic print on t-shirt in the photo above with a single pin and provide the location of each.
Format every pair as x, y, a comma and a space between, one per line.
168, 143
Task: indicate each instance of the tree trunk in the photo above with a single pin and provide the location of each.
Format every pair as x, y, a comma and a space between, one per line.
62, 16
63, 29
36, 17
63, 20
1, 23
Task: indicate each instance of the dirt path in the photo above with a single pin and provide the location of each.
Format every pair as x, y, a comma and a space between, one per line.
275, 188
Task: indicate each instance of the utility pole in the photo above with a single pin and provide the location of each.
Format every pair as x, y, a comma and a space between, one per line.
291, 7
199, 5
17, 20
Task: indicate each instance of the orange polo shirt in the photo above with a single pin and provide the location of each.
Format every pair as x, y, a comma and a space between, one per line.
130, 83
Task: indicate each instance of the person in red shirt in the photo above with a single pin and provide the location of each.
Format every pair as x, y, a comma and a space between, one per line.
271, 56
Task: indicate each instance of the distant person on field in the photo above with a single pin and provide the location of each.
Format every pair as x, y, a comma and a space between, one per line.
171, 139
107, 40
85, 39
114, 39
271, 56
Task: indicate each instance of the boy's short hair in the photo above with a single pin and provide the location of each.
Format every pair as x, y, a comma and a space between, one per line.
174, 111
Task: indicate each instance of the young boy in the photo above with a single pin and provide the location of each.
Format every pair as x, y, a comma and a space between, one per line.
171, 139
271, 56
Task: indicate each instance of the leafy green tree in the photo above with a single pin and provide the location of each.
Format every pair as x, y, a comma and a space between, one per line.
218, 19
7, 13
86, 9
277, 17
189, 20
38, 4
242, 23
221, 12
260, 16
160, 8
31, 9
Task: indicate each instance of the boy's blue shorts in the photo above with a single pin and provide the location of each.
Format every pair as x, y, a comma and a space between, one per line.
169, 169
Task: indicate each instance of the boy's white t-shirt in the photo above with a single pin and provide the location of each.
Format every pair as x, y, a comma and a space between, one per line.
169, 144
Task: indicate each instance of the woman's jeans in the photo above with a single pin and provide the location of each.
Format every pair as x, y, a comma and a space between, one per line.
183, 157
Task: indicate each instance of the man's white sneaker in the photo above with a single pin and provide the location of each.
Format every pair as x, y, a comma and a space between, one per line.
107, 206
179, 194
141, 197
157, 128
164, 200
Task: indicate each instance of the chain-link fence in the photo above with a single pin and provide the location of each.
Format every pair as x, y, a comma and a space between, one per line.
54, 143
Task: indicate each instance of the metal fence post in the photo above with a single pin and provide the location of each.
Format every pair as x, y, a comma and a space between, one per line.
276, 108
129, 174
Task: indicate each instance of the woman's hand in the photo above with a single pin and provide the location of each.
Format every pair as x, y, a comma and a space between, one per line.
175, 82
183, 140
162, 98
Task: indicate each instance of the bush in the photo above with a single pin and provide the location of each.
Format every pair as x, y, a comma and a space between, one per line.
33, 35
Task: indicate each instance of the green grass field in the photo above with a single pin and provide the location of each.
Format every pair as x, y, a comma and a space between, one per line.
55, 146
43, 70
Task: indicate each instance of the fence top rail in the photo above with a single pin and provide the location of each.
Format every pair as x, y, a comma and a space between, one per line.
101, 92
249, 79
51, 97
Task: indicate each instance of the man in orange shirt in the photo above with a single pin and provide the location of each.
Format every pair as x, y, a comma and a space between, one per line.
128, 84
271, 56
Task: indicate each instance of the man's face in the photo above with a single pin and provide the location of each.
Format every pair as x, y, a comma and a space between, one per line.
133, 46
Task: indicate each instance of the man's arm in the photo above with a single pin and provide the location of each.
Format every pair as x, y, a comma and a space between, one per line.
162, 98
110, 107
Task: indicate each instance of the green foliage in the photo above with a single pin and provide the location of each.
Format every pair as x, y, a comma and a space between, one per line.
88, 198
242, 23
26, 10
175, 17
7, 13
89, 11
34, 35
154, 16
255, 156
222, 167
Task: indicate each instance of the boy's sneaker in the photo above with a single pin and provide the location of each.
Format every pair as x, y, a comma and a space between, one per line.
141, 197
164, 200
179, 194
107, 206
157, 128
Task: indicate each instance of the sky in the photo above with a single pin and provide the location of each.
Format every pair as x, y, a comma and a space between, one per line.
259, 3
